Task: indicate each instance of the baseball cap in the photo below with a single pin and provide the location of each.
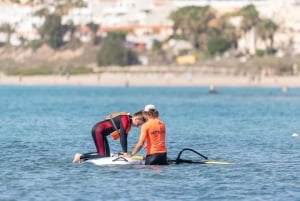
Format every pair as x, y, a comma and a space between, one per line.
149, 107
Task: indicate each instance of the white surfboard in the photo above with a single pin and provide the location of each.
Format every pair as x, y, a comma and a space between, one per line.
117, 160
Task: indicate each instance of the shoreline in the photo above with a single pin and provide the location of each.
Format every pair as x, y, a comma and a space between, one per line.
186, 79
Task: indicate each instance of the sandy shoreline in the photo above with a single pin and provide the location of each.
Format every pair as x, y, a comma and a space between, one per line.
151, 79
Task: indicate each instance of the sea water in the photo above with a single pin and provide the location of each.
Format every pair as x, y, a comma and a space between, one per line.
41, 128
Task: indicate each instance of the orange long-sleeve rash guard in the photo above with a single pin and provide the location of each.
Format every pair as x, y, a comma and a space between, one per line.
154, 133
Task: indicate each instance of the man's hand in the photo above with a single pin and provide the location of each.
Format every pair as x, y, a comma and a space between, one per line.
127, 155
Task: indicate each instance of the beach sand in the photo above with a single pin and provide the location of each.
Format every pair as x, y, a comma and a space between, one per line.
152, 79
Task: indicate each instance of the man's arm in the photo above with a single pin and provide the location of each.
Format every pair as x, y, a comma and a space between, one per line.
137, 147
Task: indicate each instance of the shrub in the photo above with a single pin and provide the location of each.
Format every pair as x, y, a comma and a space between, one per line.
260, 53
47, 70
35, 44
217, 44
113, 52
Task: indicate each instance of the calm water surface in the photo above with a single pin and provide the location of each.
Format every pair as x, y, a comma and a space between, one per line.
42, 127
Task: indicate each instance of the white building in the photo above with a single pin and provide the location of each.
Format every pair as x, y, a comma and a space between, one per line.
22, 21
286, 15
146, 20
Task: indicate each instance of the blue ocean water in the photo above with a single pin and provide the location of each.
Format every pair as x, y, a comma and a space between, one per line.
42, 127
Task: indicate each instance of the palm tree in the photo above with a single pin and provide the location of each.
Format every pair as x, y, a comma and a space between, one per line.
229, 31
249, 22
71, 28
180, 19
250, 17
94, 28
43, 12
192, 21
53, 34
8, 29
266, 29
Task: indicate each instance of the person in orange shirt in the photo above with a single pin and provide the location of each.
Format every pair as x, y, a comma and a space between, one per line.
153, 132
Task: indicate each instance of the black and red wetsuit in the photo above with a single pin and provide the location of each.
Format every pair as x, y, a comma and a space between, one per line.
105, 128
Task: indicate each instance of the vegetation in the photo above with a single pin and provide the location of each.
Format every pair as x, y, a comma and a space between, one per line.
52, 31
7, 28
217, 44
47, 70
266, 29
192, 22
94, 28
113, 52
250, 17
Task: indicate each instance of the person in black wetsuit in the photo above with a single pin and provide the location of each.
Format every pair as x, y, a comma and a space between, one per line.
118, 126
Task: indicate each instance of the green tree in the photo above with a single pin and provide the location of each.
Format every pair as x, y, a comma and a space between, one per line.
217, 44
266, 29
53, 33
8, 29
250, 17
43, 12
157, 47
113, 52
249, 21
71, 28
229, 32
94, 29
192, 22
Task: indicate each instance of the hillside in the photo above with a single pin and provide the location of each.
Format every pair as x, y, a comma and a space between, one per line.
46, 56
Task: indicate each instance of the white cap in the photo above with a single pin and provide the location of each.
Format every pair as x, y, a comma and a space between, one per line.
149, 107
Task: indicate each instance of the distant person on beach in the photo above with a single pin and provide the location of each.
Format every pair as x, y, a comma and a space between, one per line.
153, 132
118, 126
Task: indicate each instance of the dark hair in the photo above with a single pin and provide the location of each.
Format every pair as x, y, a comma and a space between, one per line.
141, 114
151, 113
